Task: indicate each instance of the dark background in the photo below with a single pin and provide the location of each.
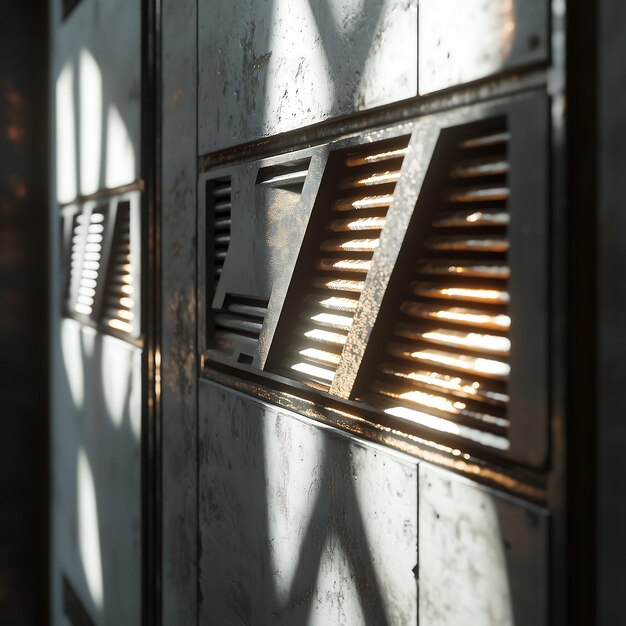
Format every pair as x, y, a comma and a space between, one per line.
24, 476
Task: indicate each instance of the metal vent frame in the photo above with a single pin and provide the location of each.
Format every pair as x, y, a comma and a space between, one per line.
109, 206
527, 118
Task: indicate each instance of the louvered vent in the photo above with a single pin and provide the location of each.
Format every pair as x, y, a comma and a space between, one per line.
85, 260
219, 212
356, 216
446, 366
119, 298
238, 324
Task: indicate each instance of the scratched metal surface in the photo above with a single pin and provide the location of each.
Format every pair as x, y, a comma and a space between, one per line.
96, 474
178, 314
483, 557
465, 40
299, 524
276, 65
96, 80
95, 380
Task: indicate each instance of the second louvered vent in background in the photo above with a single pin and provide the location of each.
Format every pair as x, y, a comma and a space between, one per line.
355, 218
446, 365
119, 297
85, 260
219, 193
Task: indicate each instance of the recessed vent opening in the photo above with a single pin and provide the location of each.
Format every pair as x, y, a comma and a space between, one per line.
356, 217
446, 366
85, 260
219, 199
289, 176
239, 323
119, 299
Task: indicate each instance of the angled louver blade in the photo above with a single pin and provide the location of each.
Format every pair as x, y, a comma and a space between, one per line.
119, 299
446, 356
355, 218
85, 260
238, 324
220, 217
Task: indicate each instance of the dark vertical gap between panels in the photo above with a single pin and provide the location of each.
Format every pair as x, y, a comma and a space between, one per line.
24, 338
151, 465
581, 74
198, 551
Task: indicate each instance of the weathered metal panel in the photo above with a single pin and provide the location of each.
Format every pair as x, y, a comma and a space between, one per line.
96, 80
96, 474
464, 40
483, 558
299, 523
178, 313
269, 67
611, 268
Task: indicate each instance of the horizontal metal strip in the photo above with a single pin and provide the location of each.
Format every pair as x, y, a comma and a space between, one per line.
360, 203
422, 400
339, 284
233, 322
492, 139
427, 420
470, 269
344, 265
471, 219
350, 245
479, 366
370, 180
488, 166
357, 224
477, 194
475, 318
462, 243
481, 391
357, 159
460, 292
459, 340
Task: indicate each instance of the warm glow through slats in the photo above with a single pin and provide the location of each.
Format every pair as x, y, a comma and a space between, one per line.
330, 319
365, 202
314, 371
321, 355
339, 304
494, 296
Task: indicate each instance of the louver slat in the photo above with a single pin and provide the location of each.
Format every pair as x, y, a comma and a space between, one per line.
119, 300
239, 322
446, 363
221, 219
85, 260
356, 216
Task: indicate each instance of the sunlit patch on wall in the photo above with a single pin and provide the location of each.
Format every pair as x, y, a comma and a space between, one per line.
120, 163
90, 122
73, 361
65, 136
89, 531
293, 471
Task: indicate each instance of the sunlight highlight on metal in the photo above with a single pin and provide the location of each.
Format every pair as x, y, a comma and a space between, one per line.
314, 370
326, 336
321, 355
488, 367
340, 321
491, 343
339, 304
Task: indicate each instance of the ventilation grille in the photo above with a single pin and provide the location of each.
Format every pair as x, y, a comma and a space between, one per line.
85, 260
447, 364
220, 211
238, 324
119, 298
356, 217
